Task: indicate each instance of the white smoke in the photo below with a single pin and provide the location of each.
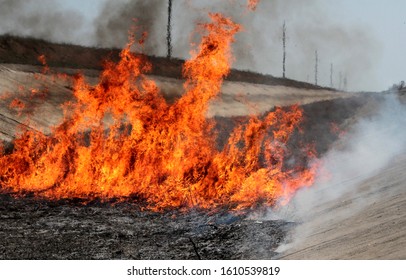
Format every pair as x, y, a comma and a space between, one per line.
371, 144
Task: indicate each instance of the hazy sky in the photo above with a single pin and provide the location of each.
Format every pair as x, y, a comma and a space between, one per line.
377, 28
386, 22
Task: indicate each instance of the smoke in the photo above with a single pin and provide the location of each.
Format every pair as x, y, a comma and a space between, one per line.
151, 16
257, 48
43, 19
372, 143
118, 17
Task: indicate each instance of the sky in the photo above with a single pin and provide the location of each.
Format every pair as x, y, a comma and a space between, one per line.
363, 40
386, 22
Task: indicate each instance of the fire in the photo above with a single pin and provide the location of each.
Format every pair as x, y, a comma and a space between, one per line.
252, 4
335, 129
121, 139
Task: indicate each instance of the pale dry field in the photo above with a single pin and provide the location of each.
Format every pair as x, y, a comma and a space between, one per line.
237, 98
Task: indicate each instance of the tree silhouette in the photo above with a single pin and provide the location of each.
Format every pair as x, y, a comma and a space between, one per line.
168, 30
284, 49
316, 67
331, 75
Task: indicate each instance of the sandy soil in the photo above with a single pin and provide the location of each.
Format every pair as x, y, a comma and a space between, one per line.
241, 98
370, 224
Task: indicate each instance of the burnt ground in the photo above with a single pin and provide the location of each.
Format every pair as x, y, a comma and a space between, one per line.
38, 229
321, 126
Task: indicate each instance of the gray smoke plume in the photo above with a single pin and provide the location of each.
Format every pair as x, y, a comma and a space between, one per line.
368, 148
257, 48
118, 17
43, 19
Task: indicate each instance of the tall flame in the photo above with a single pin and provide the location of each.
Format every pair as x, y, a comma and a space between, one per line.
121, 139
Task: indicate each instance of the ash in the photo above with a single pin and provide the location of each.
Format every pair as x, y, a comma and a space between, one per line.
39, 229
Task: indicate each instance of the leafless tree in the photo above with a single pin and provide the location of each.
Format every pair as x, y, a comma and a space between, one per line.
168, 30
345, 83
316, 67
284, 49
331, 75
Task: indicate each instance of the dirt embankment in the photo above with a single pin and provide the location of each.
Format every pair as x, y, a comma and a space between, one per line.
17, 50
368, 223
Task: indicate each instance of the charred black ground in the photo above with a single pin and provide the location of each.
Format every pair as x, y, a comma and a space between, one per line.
38, 229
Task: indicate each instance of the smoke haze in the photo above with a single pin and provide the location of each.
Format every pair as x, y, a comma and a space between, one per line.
373, 143
118, 17
43, 19
257, 48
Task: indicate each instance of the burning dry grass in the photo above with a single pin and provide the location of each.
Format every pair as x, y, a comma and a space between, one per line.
164, 154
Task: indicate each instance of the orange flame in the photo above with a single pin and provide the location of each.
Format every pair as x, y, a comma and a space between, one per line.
43, 61
252, 4
121, 139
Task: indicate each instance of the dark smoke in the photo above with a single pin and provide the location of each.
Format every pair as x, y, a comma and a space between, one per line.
259, 46
117, 17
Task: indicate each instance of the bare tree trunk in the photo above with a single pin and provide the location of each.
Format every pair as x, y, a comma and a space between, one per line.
331, 75
168, 30
284, 50
345, 83
316, 66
